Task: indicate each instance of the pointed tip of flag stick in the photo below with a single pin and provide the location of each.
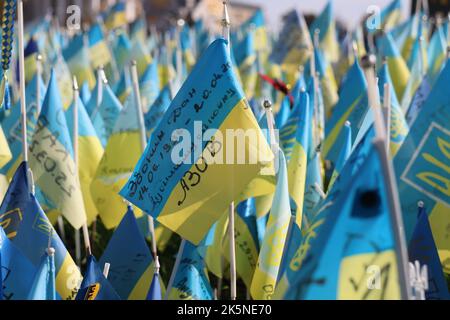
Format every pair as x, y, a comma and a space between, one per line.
180, 23
267, 104
51, 251
225, 15
420, 204
347, 123
368, 61
38, 57
74, 83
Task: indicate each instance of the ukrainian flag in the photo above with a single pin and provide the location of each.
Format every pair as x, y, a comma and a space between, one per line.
105, 114
95, 286
421, 165
437, 52
256, 22
122, 49
397, 66
299, 157
390, 16
327, 37
140, 54
343, 154
246, 240
117, 16
399, 128
138, 29
156, 111
423, 249
272, 248
214, 255
116, 166
51, 159
85, 93
352, 106
300, 242
29, 229
122, 88
356, 233
5, 152
127, 250
43, 287
16, 272
166, 70
149, 85
77, 56
191, 281
184, 205
245, 56
186, 47
294, 44
327, 81
90, 152
98, 48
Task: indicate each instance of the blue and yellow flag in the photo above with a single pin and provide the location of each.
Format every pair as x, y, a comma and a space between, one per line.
193, 192
352, 107
423, 249
149, 85
154, 293
122, 49
122, 88
397, 65
296, 168
269, 260
95, 286
90, 152
77, 56
300, 240
399, 128
141, 55
326, 25
191, 281
294, 44
16, 271
98, 48
437, 52
156, 111
117, 16
245, 55
246, 241
344, 152
29, 229
43, 287
5, 152
116, 166
356, 233
132, 265
12, 126
85, 93
103, 111
390, 15
421, 166
51, 159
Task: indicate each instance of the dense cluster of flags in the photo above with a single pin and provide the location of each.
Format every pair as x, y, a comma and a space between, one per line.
350, 181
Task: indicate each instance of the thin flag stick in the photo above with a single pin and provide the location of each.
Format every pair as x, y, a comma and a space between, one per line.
38, 76
23, 108
87, 242
233, 294
368, 63
175, 268
140, 119
106, 269
179, 61
387, 113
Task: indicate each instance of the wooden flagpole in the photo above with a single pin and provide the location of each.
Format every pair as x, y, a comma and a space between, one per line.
140, 119
368, 63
